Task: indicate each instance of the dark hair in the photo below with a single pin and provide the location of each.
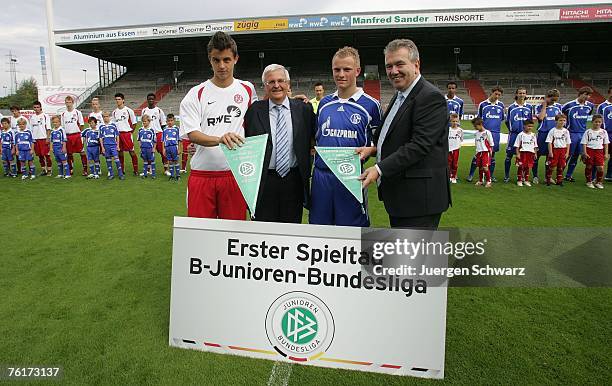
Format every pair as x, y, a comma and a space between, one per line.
14, 107
585, 90
497, 88
560, 116
453, 115
92, 118
5, 119
170, 116
609, 89
517, 90
151, 94
597, 116
529, 122
36, 103
318, 84
119, 95
221, 41
477, 121
451, 82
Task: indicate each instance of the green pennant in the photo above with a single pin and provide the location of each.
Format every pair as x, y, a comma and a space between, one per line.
246, 164
346, 166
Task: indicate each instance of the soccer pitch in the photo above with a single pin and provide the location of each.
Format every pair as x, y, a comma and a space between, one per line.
85, 285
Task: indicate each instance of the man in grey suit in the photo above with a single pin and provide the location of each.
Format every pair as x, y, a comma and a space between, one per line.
411, 146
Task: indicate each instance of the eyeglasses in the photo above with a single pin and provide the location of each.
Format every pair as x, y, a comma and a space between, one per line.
280, 82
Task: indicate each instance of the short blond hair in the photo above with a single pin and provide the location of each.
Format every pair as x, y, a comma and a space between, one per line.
346, 52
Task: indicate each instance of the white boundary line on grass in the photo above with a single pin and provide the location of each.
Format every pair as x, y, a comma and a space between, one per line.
280, 374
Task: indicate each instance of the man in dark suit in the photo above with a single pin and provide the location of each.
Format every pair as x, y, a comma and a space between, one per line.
285, 182
411, 146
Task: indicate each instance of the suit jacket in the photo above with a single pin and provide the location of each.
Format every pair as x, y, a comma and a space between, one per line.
414, 153
257, 122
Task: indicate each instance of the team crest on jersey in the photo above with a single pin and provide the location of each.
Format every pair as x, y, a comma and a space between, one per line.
238, 98
355, 119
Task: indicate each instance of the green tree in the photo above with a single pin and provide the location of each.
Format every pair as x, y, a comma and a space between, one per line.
26, 94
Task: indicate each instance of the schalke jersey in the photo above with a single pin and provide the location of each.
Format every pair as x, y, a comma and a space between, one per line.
24, 140
109, 133
58, 137
454, 105
171, 136
346, 123
607, 117
577, 115
146, 136
517, 115
602, 106
92, 137
8, 139
548, 123
492, 115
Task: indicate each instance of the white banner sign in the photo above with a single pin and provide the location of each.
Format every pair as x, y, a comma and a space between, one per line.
303, 294
52, 98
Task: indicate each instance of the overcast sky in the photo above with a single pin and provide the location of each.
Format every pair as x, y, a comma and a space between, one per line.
24, 26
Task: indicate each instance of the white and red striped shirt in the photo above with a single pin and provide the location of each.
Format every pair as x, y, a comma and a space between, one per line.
72, 121
215, 111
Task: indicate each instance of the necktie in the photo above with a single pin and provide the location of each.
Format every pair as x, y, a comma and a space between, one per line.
282, 143
383, 133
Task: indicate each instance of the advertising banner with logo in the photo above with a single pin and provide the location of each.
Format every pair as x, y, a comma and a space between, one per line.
306, 294
52, 97
586, 13
346, 166
246, 164
327, 22
260, 25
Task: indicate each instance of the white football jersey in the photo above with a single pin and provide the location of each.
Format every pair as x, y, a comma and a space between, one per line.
559, 138
158, 118
455, 137
124, 119
595, 139
72, 121
39, 125
98, 116
484, 140
526, 142
215, 111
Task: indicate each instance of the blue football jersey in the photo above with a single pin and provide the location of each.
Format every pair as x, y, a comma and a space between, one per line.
577, 115
346, 123
602, 106
92, 137
607, 117
517, 115
171, 136
549, 120
58, 137
146, 137
24, 140
454, 105
8, 140
492, 115
109, 133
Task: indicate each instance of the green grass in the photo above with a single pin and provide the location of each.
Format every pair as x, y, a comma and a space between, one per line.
85, 284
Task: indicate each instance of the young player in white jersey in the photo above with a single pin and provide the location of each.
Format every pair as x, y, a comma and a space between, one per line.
484, 151
40, 124
96, 110
72, 122
212, 113
125, 119
558, 141
455, 138
158, 122
526, 145
595, 143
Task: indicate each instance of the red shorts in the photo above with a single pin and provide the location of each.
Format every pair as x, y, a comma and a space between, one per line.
596, 157
186, 143
527, 159
74, 143
214, 194
557, 158
41, 147
483, 159
126, 142
159, 145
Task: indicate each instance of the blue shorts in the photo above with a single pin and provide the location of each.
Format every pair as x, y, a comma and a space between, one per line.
496, 136
110, 151
510, 150
93, 153
542, 145
147, 155
333, 204
7, 155
575, 146
25, 155
172, 152
60, 156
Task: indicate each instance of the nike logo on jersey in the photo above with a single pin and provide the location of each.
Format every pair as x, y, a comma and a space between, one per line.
210, 103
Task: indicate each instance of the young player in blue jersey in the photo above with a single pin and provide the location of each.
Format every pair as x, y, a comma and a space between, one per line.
577, 112
91, 137
58, 144
170, 140
491, 111
453, 102
146, 139
8, 148
109, 138
518, 112
605, 110
345, 118
24, 142
546, 112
